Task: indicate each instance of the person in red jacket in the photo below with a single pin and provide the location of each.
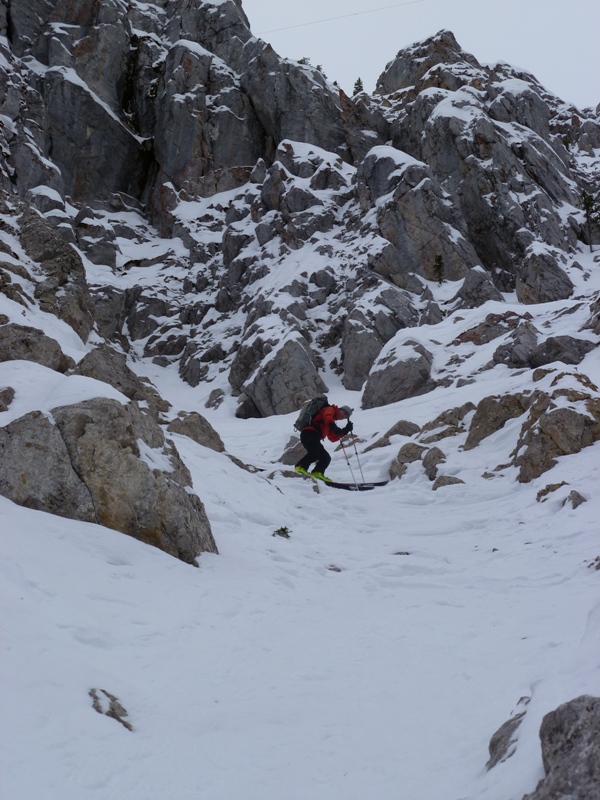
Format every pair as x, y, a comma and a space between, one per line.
323, 426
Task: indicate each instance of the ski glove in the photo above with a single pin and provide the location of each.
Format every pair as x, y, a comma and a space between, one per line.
349, 428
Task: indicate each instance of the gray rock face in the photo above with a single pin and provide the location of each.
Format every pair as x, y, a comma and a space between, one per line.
31, 344
107, 463
411, 65
492, 413
413, 214
570, 738
477, 289
567, 349
36, 470
518, 350
541, 280
106, 365
407, 376
551, 432
288, 379
197, 428
64, 291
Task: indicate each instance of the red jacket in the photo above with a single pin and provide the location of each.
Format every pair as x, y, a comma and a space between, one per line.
324, 423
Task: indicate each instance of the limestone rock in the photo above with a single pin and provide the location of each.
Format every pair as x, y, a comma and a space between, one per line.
477, 289
286, 380
503, 743
541, 280
412, 213
567, 349
448, 423
518, 350
106, 463
493, 326
492, 413
7, 395
64, 292
31, 344
107, 365
551, 432
407, 454
570, 738
397, 376
36, 470
197, 428
575, 499
431, 460
446, 480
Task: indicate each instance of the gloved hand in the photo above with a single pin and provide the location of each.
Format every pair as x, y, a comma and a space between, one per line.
349, 428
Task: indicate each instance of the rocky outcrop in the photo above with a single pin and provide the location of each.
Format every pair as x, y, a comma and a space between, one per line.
31, 344
413, 214
287, 379
550, 432
99, 461
503, 743
570, 738
541, 280
106, 365
492, 413
63, 291
399, 373
196, 427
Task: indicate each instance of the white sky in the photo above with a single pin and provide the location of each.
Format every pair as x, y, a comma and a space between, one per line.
556, 41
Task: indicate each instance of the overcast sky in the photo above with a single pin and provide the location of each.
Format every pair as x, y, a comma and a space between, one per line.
559, 42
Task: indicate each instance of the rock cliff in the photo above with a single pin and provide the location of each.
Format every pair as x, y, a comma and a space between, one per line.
177, 193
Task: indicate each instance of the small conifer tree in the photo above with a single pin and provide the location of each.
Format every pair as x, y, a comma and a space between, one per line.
438, 269
591, 209
358, 87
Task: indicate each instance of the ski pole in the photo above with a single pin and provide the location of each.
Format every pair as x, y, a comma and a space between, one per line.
348, 462
358, 459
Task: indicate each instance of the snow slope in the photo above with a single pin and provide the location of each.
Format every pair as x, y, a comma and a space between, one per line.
373, 653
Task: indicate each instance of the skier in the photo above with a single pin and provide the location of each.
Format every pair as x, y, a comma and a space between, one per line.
323, 425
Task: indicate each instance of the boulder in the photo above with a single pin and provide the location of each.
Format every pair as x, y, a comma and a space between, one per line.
570, 738
408, 453
550, 432
541, 280
567, 349
197, 428
399, 374
492, 413
477, 289
503, 743
18, 342
493, 326
448, 423
7, 395
285, 380
446, 480
36, 470
99, 461
431, 460
107, 365
518, 350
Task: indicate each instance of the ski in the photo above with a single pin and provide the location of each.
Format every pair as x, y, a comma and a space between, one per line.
355, 487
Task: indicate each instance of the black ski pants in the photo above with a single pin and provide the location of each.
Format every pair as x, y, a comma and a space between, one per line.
315, 452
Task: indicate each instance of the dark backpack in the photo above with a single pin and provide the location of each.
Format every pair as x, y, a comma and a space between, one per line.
308, 411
